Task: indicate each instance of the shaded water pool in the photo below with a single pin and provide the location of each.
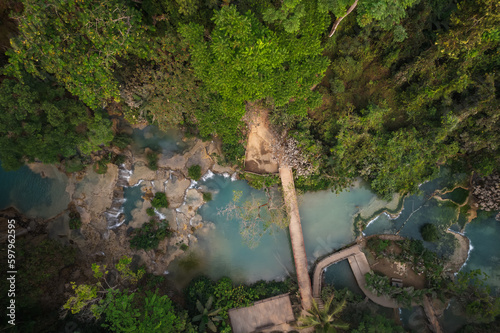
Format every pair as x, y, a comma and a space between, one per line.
458, 195
484, 233
326, 222
31, 194
340, 276
152, 137
133, 199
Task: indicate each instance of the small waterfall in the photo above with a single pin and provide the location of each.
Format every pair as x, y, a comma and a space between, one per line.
114, 215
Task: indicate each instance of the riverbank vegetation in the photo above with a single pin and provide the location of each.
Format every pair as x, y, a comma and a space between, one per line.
392, 94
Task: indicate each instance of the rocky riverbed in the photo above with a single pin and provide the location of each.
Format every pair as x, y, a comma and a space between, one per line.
486, 192
97, 196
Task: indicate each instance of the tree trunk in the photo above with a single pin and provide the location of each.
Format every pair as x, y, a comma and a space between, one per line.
336, 24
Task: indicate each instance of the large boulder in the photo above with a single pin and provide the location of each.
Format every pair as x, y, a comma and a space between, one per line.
175, 188
141, 171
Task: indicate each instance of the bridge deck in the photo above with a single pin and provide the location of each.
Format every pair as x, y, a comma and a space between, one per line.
359, 265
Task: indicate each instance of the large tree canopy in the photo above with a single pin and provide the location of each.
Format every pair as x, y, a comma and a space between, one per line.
244, 60
37, 121
385, 13
437, 107
79, 42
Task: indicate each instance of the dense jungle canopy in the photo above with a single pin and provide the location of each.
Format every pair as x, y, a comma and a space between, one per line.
400, 89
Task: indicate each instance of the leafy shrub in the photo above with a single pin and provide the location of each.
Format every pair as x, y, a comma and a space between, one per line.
119, 159
260, 182
135, 313
100, 167
150, 234
74, 165
159, 200
337, 86
226, 296
194, 172
207, 196
75, 222
152, 161
265, 289
122, 140
377, 245
150, 211
184, 247
429, 232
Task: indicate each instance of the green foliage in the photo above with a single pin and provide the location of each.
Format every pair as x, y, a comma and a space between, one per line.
89, 300
224, 293
84, 296
380, 285
244, 60
326, 319
255, 69
261, 181
150, 211
152, 161
337, 86
377, 245
74, 220
474, 295
150, 234
79, 43
126, 312
159, 200
101, 166
38, 121
436, 104
429, 232
121, 309
207, 315
207, 196
184, 247
387, 14
164, 91
122, 140
378, 324
119, 159
194, 172
73, 164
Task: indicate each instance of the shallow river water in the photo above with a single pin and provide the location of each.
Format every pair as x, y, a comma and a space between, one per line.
327, 222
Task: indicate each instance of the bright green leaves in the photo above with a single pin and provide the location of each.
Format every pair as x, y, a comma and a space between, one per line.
84, 295
387, 12
79, 42
338, 8
127, 313
290, 15
247, 61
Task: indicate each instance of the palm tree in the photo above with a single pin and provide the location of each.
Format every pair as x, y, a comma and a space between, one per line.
207, 316
325, 320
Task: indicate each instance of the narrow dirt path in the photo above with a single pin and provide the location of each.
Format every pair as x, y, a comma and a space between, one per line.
296, 236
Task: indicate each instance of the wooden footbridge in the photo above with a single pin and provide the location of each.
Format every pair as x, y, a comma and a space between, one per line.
359, 265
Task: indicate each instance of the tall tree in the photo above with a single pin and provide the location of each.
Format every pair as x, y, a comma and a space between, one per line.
39, 121
385, 13
246, 61
79, 43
